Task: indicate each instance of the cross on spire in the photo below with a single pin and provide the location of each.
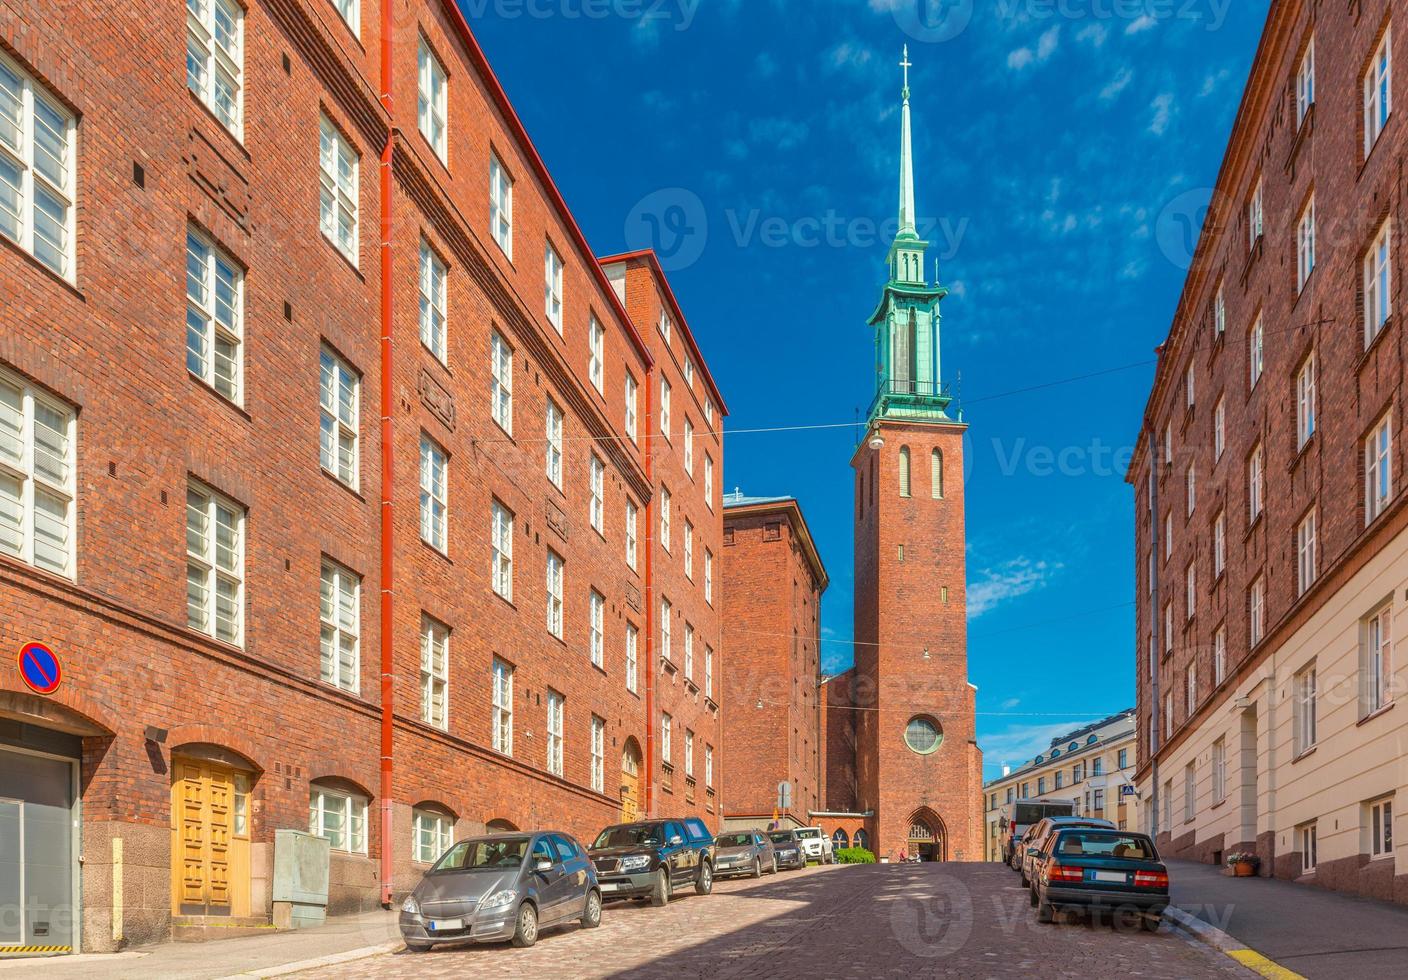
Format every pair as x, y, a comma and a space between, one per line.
905, 64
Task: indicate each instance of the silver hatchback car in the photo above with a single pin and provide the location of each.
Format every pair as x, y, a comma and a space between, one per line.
743, 852
502, 887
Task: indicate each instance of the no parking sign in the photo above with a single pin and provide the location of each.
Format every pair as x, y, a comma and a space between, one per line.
40, 668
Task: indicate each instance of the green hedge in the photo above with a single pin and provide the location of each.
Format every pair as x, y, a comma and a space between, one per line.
854, 855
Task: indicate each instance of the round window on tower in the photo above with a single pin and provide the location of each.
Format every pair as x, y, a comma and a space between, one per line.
923, 735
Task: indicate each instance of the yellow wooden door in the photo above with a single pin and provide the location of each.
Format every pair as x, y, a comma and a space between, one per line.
203, 817
630, 783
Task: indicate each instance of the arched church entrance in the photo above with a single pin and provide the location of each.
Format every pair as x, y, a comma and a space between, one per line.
927, 836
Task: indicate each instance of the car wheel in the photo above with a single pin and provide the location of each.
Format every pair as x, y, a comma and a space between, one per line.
1026, 883
704, 884
591, 915
757, 868
418, 947
525, 931
660, 891
1045, 911
774, 864
1031, 895
1150, 923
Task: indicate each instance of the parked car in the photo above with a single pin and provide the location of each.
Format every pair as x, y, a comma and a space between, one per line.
652, 858
1039, 832
816, 846
744, 852
502, 887
1017, 817
787, 848
1100, 870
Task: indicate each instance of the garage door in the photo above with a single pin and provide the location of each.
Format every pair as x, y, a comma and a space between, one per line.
36, 853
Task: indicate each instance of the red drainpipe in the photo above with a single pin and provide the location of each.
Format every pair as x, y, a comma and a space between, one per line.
649, 538
387, 404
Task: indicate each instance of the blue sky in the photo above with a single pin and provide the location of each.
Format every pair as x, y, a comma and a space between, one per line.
1063, 152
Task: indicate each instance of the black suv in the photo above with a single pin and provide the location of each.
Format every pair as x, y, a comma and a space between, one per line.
652, 858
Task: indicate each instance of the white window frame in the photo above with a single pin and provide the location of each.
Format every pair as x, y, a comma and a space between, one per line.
38, 477
501, 550
340, 627
339, 418
351, 13
1305, 401
708, 576
1308, 845
689, 753
665, 327
556, 705
1378, 282
1376, 661
432, 98
350, 811
552, 460
1256, 468
1219, 428
1219, 770
708, 765
432, 834
501, 711
434, 490
598, 628
338, 211
665, 393
1304, 709
708, 671
214, 315
688, 446
688, 550
1305, 82
434, 673
213, 511
708, 481
632, 514
665, 629
1378, 469
1305, 244
1190, 693
1306, 565
1189, 384
1219, 656
665, 518
434, 276
552, 286
1190, 482
632, 392
1256, 351
1254, 216
598, 754
1379, 827
666, 724
1219, 313
1219, 543
1190, 585
688, 651
596, 354
632, 656
501, 205
1256, 603
215, 59
554, 579
501, 382
598, 493
1378, 91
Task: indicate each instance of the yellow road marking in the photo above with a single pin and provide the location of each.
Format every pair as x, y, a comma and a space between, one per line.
1253, 960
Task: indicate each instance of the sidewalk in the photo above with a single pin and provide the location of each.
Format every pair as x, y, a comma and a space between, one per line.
250, 956
1320, 934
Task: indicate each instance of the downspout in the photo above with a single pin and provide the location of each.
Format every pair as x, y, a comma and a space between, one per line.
387, 507
649, 539
1154, 623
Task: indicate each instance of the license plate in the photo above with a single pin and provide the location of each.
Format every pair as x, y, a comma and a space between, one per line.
1116, 877
609, 886
446, 925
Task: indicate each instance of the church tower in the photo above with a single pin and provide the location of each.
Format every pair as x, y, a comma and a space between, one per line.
918, 767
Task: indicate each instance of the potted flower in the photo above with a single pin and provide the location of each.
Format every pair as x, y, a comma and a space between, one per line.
1244, 864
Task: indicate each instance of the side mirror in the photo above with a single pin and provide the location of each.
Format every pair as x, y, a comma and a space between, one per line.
542, 866
1033, 851
676, 840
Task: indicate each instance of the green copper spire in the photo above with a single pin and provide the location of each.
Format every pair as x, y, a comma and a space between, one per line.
906, 322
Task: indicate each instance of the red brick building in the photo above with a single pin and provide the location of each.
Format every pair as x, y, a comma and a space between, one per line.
1270, 552
321, 429
772, 632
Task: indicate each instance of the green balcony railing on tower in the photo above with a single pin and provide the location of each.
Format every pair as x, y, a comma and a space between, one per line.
912, 400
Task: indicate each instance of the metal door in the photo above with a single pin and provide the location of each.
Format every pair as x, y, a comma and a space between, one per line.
37, 868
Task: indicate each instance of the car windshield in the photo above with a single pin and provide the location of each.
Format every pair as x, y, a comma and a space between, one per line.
734, 840
808, 833
485, 854
630, 835
1103, 844
781, 837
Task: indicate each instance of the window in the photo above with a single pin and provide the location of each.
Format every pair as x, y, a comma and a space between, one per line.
1304, 720
339, 396
1257, 607
1168, 536
501, 555
1168, 628
1254, 215
1305, 553
708, 576
688, 651
338, 189
501, 384
598, 628
1060, 780
665, 726
214, 565
632, 641
554, 761
1378, 469
1254, 484
904, 471
596, 357
1123, 758
598, 754
1378, 279
1256, 353
689, 551
1306, 843
432, 300
1168, 803
631, 407
433, 464
1378, 91
214, 312
501, 205
1305, 402
1097, 765
1219, 429
434, 672
240, 822
1190, 482
598, 487
709, 766
1219, 770
1376, 661
339, 817
431, 835
1189, 376
430, 100
665, 408
1168, 444
708, 481
339, 610
1380, 826
1305, 82
631, 511
349, 9
1190, 689
708, 671
689, 753
553, 457
552, 287
687, 368
664, 518
936, 474
665, 628
38, 488
215, 58
665, 327
1219, 544
554, 591
1219, 314
502, 717
1190, 588
1041, 786
1219, 655
1305, 244
1190, 792
689, 447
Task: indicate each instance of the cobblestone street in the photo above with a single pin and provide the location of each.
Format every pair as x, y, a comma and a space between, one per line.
931, 920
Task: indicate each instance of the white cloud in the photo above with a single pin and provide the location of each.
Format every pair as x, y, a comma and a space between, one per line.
1163, 109
1045, 47
1117, 84
1017, 577
1095, 33
849, 54
1010, 703
1021, 743
1211, 82
1141, 24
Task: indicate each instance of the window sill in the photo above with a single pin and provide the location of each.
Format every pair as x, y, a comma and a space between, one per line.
1305, 754
351, 263
1375, 714
224, 399
1253, 524
329, 474
1221, 802
59, 278
1302, 452
439, 552
444, 362
1373, 344
235, 140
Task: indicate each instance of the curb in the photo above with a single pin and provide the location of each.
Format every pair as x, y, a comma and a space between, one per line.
333, 959
1206, 933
